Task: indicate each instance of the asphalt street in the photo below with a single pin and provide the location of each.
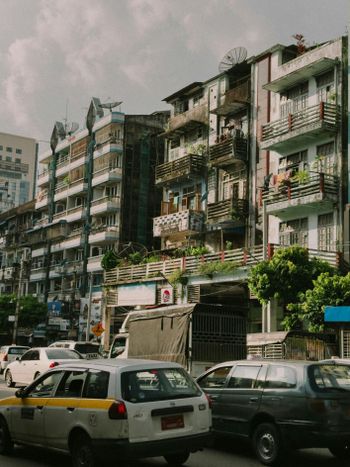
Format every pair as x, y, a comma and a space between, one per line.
225, 453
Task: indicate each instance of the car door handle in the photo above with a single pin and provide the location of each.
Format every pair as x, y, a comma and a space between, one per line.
275, 399
253, 399
70, 409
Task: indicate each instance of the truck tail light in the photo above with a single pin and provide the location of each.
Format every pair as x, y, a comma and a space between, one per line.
117, 411
53, 364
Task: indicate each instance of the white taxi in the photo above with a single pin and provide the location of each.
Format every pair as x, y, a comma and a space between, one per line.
107, 408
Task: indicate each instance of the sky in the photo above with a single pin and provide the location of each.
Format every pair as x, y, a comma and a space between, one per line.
57, 54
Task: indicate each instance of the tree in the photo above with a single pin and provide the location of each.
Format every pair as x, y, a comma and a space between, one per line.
327, 290
288, 273
32, 312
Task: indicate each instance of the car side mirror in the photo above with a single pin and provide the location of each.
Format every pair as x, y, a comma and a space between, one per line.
18, 358
20, 393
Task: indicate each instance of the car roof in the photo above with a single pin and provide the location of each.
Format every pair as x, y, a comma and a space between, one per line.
120, 363
272, 362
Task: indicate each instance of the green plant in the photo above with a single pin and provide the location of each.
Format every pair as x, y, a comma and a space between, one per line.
135, 258
302, 176
198, 149
235, 214
178, 277
110, 260
214, 267
228, 245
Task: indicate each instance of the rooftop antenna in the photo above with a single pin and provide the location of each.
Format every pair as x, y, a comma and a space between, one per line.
232, 58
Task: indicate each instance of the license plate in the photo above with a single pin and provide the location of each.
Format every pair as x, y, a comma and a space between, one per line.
172, 422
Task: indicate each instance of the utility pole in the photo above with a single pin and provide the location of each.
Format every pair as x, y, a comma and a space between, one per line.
88, 319
15, 324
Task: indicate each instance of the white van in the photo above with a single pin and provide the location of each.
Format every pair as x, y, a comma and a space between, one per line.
86, 349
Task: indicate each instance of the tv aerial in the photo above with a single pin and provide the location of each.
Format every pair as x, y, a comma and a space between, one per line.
110, 105
232, 58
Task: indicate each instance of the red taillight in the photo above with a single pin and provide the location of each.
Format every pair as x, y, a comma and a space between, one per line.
210, 402
117, 411
53, 364
5, 359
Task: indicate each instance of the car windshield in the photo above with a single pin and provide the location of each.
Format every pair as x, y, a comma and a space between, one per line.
62, 354
157, 384
331, 377
17, 350
87, 348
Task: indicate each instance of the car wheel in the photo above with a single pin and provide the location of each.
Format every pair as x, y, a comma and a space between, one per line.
6, 443
177, 459
267, 443
82, 452
8, 379
341, 452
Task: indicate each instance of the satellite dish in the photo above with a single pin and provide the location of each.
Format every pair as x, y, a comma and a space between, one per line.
110, 105
232, 58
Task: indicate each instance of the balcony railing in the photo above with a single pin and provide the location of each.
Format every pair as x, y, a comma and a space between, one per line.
311, 120
178, 169
228, 151
234, 99
292, 193
234, 210
182, 222
189, 119
190, 264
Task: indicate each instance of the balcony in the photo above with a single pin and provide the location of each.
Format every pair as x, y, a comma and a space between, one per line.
231, 151
187, 121
242, 257
301, 127
107, 175
104, 234
43, 178
37, 274
102, 149
41, 199
229, 210
9, 273
234, 99
105, 204
57, 230
180, 169
187, 222
75, 214
94, 263
67, 165
293, 199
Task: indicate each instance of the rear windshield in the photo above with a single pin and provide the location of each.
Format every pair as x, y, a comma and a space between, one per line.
158, 384
330, 377
87, 348
17, 350
62, 354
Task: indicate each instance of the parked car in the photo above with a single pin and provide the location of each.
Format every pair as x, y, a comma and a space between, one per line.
87, 349
275, 404
36, 361
9, 353
110, 408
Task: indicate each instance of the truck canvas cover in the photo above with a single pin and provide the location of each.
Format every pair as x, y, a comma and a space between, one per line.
161, 333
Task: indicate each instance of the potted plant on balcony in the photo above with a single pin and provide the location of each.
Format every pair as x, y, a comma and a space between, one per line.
301, 177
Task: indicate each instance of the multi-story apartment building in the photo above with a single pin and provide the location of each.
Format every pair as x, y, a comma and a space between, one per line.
15, 249
18, 164
87, 204
255, 157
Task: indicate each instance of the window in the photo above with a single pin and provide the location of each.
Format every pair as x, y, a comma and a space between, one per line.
325, 161
8, 158
8, 149
244, 377
71, 384
296, 161
326, 231
330, 376
157, 384
18, 151
63, 354
279, 376
216, 378
45, 386
294, 232
30, 355
325, 87
294, 100
96, 386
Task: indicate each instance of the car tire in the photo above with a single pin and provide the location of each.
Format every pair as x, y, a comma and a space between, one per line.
8, 379
341, 452
177, 459
82, 452
6, 443
267, 444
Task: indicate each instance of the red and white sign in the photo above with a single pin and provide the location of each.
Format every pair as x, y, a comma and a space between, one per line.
167, 296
